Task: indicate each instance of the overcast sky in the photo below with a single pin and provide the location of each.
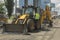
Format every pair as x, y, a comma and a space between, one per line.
55, 1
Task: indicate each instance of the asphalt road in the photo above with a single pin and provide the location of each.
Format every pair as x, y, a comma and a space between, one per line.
52, 34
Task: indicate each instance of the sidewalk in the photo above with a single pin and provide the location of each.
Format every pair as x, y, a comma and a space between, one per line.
56, 35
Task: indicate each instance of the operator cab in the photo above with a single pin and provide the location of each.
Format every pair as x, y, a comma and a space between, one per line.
30, 10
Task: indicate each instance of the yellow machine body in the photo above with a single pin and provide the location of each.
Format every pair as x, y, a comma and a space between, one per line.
27, 23
46, 15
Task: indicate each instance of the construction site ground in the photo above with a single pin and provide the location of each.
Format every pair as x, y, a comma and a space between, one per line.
52, 34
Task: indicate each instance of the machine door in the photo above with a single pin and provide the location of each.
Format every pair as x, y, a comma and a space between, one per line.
30, 12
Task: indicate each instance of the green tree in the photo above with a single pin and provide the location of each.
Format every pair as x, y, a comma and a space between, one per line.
9, 5
2, 10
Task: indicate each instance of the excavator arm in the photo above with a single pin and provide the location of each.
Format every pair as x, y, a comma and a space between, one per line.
22, 18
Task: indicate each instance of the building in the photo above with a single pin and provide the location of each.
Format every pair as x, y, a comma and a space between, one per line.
20, 3
54, 13
40, 3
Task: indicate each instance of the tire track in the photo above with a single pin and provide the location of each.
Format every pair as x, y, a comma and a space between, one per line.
50, 36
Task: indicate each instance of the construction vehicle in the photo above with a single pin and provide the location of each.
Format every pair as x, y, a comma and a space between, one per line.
46, 17
25, 22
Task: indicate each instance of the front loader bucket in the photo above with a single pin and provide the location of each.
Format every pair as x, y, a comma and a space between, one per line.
13, 28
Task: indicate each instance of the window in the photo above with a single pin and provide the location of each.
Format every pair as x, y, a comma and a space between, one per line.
21, 3
30, 2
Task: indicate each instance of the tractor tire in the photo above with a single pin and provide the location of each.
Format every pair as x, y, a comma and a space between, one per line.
30, 24
38, 26
25, 31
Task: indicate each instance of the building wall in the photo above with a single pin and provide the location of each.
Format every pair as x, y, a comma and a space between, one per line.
41, 3
21, 3
54, 13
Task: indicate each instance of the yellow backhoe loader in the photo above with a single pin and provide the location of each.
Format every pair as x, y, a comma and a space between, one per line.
26, 21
